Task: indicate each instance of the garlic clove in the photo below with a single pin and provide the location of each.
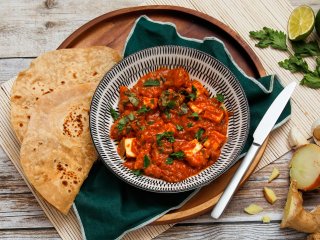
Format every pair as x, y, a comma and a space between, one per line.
315, 130
296, 139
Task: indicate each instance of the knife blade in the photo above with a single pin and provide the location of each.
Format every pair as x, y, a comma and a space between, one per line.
260, 134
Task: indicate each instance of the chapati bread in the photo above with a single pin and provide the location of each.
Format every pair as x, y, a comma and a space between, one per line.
57, 151
60, 68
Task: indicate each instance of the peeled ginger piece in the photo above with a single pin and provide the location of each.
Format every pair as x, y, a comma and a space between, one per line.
269, 195
253, 209
266, 219
275, 173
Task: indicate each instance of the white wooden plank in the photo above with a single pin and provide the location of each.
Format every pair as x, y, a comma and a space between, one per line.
29, 28
25, 234
10, 67
231, 231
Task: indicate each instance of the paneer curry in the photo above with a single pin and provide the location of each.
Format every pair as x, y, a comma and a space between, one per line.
168, 127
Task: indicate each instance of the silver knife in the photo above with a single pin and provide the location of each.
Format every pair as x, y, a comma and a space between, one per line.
260, 134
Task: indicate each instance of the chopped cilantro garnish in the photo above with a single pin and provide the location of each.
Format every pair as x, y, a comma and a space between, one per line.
169, 161
183, 109
190, 124
167, 113
179, 127
220, 97
170, 105
131, 116
114, 114
143, 109
132, 98
193, 95
151, 83
199, 134
150, 122
165, 135
177, 155
195, 116
137, 172
146, 161
122, 123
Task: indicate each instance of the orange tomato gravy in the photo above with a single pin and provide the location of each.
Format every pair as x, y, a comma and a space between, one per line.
169, 127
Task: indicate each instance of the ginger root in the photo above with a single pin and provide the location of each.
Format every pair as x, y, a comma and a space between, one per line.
296, 217
266, 219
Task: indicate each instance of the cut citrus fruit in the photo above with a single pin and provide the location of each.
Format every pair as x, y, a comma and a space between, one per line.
301, 23
317, 23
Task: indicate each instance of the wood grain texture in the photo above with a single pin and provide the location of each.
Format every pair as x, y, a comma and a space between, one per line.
28, 28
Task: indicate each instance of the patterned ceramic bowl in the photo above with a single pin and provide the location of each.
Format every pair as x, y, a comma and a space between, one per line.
216, 77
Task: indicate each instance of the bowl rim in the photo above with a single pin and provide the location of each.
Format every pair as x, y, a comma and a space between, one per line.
198, 186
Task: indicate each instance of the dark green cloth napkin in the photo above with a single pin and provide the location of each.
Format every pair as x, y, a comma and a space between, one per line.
107, 206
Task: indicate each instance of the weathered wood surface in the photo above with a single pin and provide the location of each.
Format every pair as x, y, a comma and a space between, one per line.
28, 28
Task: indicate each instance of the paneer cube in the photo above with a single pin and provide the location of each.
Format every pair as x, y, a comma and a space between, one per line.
216, 116
128, 146
195, 108
192, 148
151, 103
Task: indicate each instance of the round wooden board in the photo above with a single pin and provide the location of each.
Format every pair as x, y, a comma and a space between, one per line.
112, 30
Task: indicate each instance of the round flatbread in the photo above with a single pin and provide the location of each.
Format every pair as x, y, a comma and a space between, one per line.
57, 152
60, 68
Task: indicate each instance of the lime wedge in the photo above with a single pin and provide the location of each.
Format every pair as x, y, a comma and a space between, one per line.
301, 23
317, 23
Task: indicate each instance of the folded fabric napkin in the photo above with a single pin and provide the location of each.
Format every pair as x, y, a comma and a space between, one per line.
108, 207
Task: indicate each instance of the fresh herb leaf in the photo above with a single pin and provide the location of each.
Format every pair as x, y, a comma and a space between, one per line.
195, 116
170, 105
190, 124
122, 123
143, 109
142, 128
295, 64
304, 49
131, 116
114, 114
167, 113
169, 161
311, 80
179, 127
220, 97
199, 134
270, 37
165, 135
177, 155
146, 161
151, 83
150, 122
193, 95
137, 172
183, 109
134, 100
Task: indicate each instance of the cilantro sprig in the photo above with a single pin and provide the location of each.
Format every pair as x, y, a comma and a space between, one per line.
270, 37
295, 64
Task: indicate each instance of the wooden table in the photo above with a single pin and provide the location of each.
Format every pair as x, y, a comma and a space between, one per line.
28, 28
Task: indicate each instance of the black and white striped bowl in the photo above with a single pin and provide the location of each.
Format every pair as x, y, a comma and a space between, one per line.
216, 77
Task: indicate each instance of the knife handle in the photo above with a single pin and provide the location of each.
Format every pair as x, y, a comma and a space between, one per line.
235, 181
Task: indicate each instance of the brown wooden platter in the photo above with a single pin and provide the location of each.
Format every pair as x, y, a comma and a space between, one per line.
112, 29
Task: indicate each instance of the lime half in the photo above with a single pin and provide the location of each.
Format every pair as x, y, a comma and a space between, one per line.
301, 23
